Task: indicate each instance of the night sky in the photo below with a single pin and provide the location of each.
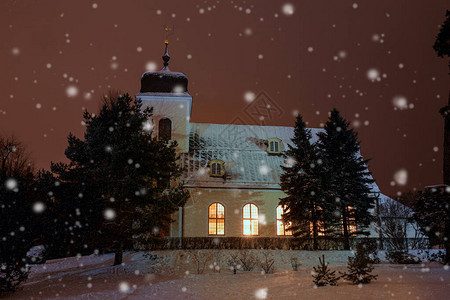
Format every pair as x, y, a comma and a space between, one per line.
372, 60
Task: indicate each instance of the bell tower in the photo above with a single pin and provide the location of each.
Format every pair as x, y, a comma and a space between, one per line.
167, 93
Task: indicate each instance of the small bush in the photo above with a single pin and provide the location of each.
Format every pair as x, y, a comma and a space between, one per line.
217, 259
247, 260
401, 257
322, 275
266, 262
234, 262
200, 259
294, 263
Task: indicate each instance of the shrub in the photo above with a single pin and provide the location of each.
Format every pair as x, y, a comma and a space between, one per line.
200, 259
323, 275
401, 257
266, 262
233, 262
247, 260
294, 263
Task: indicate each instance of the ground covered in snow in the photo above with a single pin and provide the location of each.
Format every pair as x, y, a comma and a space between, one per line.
174, 276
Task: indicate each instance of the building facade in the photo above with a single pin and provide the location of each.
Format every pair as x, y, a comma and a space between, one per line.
232, 171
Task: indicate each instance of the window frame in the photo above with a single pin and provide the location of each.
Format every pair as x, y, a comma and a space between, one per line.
222, 169
216, 218
274, 140
320, 224
281, 220
351, 221
250, 219
159, 128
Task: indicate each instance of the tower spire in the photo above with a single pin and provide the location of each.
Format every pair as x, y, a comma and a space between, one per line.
166, 56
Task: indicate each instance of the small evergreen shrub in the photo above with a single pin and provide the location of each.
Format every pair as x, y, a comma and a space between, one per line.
323, 275
359, 267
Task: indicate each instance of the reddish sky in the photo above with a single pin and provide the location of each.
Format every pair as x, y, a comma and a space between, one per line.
308, 57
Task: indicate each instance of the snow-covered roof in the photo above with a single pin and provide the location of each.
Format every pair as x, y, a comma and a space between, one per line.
243, 148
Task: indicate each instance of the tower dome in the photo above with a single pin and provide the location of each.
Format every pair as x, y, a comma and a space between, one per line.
164, 81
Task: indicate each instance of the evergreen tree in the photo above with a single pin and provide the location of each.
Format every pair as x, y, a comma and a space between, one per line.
359, 267
432, 213
323, 275
120, 180
346, 180
301, 183
442, 48
17, 217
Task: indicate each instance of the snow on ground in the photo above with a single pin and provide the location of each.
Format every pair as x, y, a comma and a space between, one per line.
174, 277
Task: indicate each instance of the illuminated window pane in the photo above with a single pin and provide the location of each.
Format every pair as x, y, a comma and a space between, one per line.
279, 212
220, 211
250, 219
216, 219
212, 210
220, 226
281, 227
319, 223
212, 227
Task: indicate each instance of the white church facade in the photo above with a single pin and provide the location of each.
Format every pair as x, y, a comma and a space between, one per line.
232, 171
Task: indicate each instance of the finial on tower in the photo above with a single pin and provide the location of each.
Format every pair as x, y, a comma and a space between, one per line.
166, 56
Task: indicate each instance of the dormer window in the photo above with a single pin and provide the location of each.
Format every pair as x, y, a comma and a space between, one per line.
274, 146
216, 168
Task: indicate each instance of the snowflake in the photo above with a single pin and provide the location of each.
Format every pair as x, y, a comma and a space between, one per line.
38, 207
124, 287
11, 184
261, 293
401, 177
400, 102
151, 66
71, 91
288, 9
249, 96
373, 74
109, 214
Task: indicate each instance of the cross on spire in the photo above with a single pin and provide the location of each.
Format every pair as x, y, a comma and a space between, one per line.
168, 31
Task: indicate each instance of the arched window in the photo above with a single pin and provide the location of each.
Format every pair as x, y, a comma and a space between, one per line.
165, 129
351, 221
319, 222
216, 168
274, 145
281, 226
216, 219
250, 215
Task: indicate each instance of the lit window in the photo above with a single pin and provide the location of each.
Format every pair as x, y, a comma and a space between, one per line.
281, 227
351, 221
216, 219
250, 219
274, 145
319, 222
216, 168
165, 129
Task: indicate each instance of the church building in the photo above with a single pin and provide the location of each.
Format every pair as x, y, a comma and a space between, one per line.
232, 171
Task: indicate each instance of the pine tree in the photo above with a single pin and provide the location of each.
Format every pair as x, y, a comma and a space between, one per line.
432, 212
359, 267
17, 217
301, 183
323, 275
442, 48
347, 180
129, 177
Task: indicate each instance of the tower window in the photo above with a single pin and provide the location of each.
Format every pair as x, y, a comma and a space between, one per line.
281, 226
216, 168
274, 145
250, 213
216, 219
165, 129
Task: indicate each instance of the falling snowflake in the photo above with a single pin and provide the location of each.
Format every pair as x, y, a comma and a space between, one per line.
94, 5
249, 96
151, 66
263, 170
355, 5
147, 126
400, 102
11, 184
71, 91
373, 74
109, 214
288, 9
261, 293
401, 177
124, 287
15, 51
38, 207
